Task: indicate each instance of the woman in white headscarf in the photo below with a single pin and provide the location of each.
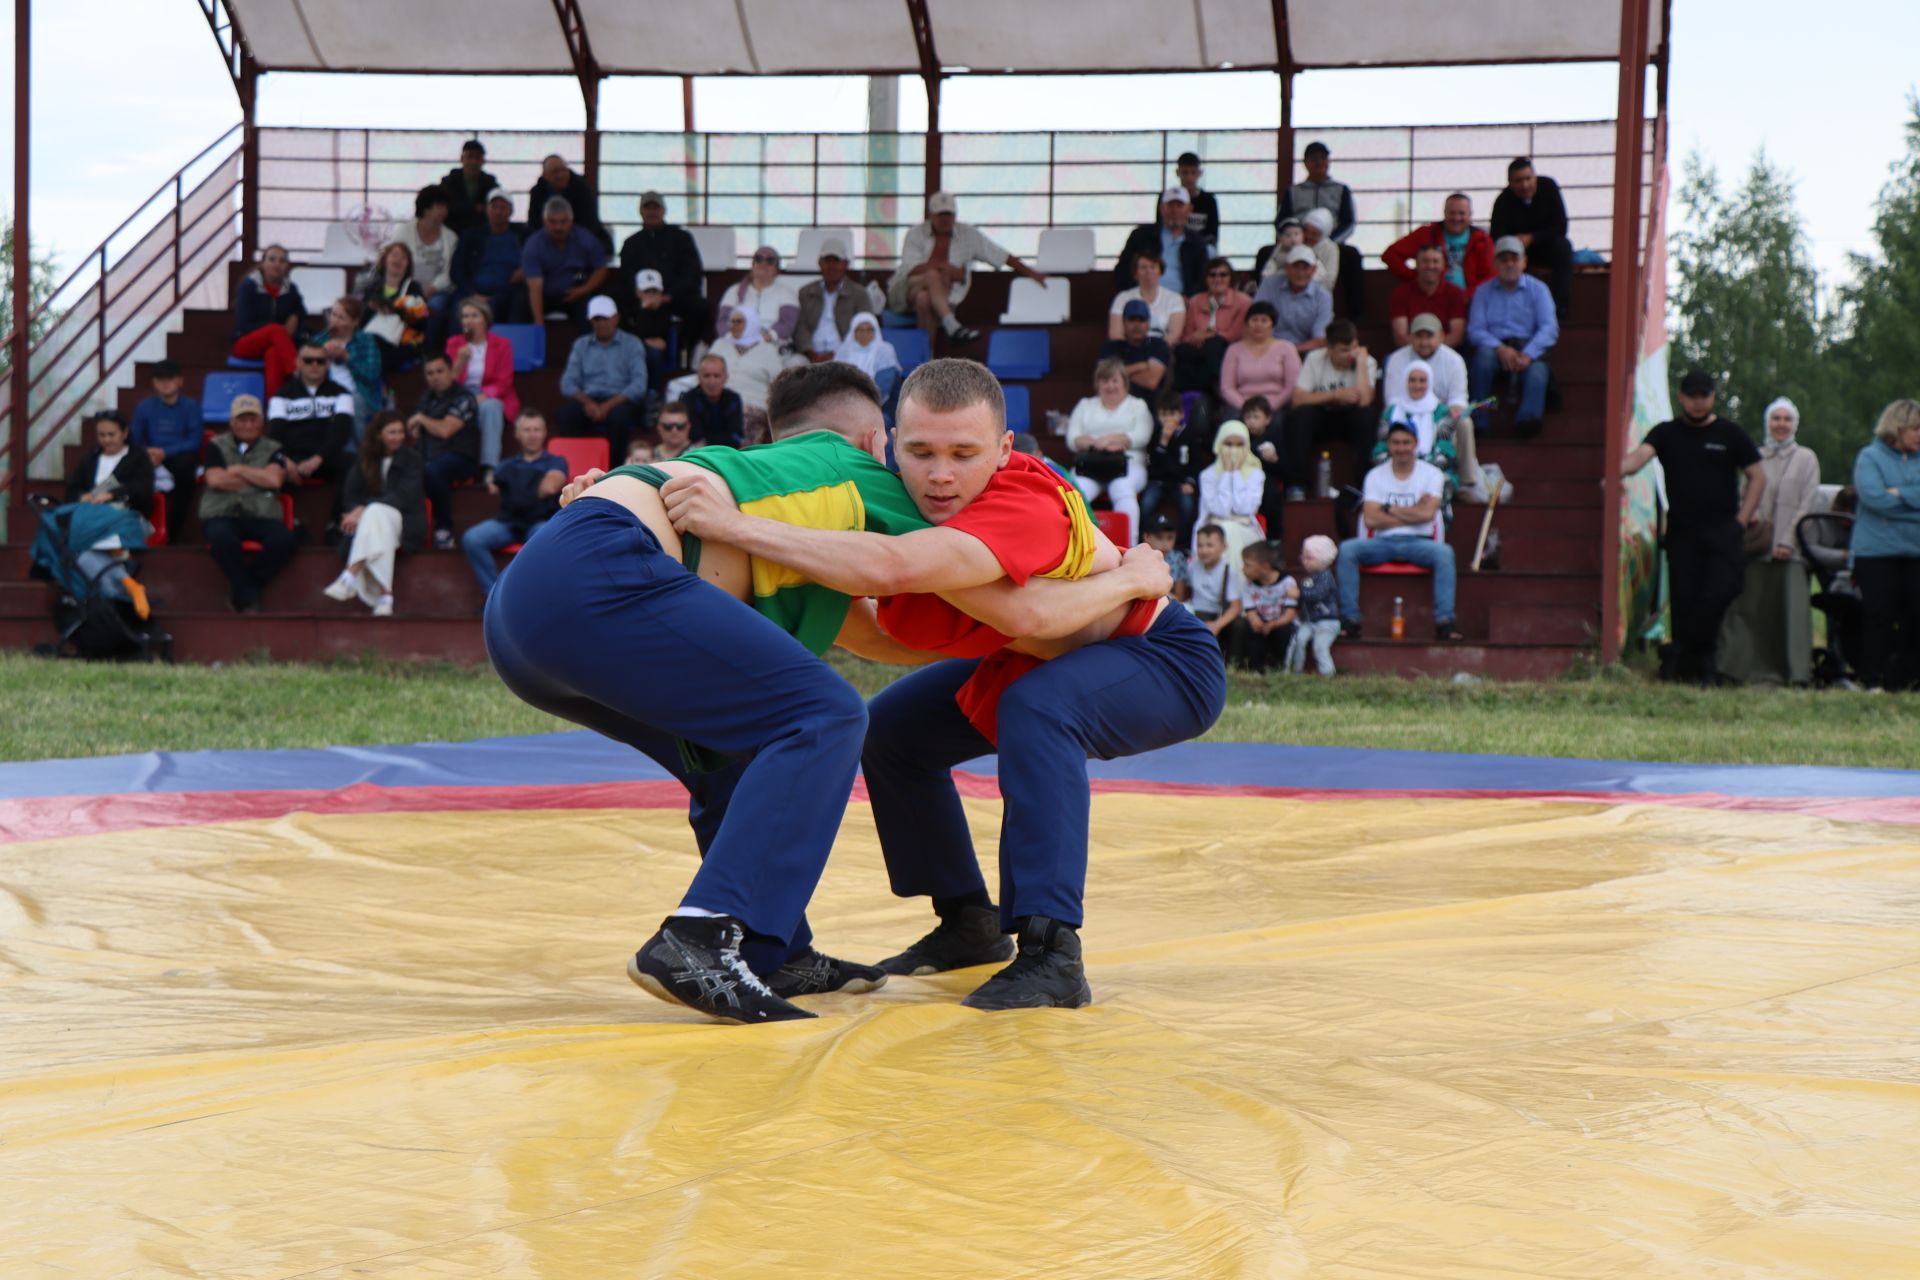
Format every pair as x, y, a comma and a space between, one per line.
1767, 637
1316, 232
1231, 489
752, 364
866, 350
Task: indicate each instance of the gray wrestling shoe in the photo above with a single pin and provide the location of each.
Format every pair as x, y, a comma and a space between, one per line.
813, 973
1047, 974
695, 961
967, 938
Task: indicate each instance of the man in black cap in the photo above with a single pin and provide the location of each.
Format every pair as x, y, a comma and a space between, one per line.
1703, 457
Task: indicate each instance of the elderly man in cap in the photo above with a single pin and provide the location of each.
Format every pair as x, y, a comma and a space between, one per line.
1303, 307
605, 382
1532, 212
660, 246
565, 264
244, 472
1183, 255
829, 304
1512, 325
486, 262
936, 267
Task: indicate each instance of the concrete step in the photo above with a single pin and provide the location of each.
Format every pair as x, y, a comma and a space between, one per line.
1525, 622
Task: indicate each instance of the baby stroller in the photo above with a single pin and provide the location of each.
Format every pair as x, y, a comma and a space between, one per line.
94, 613
1824, 537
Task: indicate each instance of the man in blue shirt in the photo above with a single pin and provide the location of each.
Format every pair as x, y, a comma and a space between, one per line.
1511, 326
169, 427
487, 260
1183, 257
605, 382
564, 265
1303, 307
529, 486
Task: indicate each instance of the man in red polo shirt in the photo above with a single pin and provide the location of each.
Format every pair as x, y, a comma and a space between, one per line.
1145, 676
1429, 293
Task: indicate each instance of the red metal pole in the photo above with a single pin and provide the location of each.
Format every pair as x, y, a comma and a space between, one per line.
1623, 297
1286, 129
932, 182
686, 104
249, 160
22, 247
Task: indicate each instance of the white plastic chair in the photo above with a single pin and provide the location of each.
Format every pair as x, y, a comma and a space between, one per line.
1065, 251
342, 249
807, 256
716, 247
320, 285
1031, 302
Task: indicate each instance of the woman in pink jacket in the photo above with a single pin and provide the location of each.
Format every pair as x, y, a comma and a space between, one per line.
483, 363
1260, 364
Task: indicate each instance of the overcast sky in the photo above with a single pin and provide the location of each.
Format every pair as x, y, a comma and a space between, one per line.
125, 91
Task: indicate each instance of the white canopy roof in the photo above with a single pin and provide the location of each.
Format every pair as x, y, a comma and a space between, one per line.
785, 37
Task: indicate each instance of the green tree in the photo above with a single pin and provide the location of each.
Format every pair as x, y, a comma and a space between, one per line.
1877, 357
1746, 299
40, 285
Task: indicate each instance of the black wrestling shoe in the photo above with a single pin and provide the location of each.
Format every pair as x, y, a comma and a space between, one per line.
695, 961
813, 973
960, 941
1047, 974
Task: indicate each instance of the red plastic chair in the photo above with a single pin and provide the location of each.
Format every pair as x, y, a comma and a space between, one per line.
1116, 526
158, 538
583, 453
286, 518
1396, 568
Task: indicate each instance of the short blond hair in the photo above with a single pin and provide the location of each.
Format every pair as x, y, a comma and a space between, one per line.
947, 385
1896, 418
1111, 367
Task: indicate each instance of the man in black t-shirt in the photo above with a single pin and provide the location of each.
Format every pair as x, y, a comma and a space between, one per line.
1147, 358
447, 429
1703, 457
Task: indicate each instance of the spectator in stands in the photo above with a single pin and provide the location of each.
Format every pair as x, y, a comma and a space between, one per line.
432, 248
936, 268
671, 251
752, 365
487, 262
1429, 293
1260, 364
716, 409
1272, 260
867, 350
1401, 506
1109, 432
1166, 309
355, 359
1203, 211
1162, 535
384, 511
1146, 357
1231, 490
828, 305
240, 503
1469, 250
1315, 229
396, 308
469, 187
483, 364
1767, 636
1333, 400
1174, 458
1431, 422
1269, 603
528, 484
1512, 326
773, 302
168, 426
557, 179
1257, 416
605, 381
1703, 456
650, 319
1183, 256
1448, 380
564, 265
1886, 549
1216, 318
1318, 624
113, 470
1532, 212
1319, 191
311, 416
1213, 580
1301, 308
676, 432
267, 312
447, 427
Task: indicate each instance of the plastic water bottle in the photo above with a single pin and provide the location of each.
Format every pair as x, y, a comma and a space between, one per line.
1399, 620
1323, 477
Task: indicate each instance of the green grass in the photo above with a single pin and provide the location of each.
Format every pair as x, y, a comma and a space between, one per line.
58, 709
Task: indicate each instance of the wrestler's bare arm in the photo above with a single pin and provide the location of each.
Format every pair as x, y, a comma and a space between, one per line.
861, 634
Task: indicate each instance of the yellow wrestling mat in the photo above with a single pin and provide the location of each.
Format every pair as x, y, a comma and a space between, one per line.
1332, 1039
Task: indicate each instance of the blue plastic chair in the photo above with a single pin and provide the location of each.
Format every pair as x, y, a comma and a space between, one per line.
1025, 354
235, 362
529, 345
218, 391
912, 346
898, 320
1019, 412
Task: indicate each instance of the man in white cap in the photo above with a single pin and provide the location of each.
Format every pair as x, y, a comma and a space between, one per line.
936, 266
605, 381
487, 260
1184, 256
1303, 307
828, 305
671, 251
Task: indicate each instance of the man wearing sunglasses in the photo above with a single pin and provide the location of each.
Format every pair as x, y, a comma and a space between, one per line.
311, 416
